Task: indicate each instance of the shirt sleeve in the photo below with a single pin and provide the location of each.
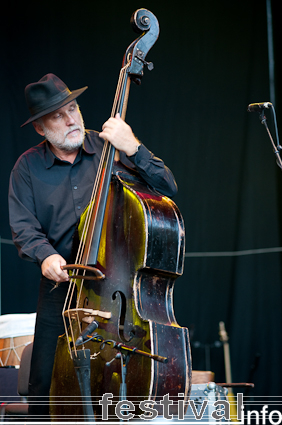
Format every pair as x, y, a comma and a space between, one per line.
28, 236
154, 171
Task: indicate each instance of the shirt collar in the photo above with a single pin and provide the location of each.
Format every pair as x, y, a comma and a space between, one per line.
89, 144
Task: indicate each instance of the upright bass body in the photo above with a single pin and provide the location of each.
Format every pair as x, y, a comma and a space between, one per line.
131, 251
141, 254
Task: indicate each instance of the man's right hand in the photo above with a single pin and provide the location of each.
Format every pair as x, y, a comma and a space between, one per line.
51, 268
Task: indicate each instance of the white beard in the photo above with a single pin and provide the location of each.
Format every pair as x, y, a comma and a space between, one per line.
62, 142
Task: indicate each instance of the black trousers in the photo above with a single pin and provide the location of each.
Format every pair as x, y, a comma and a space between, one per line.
49, 325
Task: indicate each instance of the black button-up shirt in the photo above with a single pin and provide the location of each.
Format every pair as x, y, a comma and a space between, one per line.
48, 195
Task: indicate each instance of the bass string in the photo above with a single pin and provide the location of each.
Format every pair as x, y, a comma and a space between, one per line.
120, 85
72, 286
105, 153
102, 165
94, 200
99, 181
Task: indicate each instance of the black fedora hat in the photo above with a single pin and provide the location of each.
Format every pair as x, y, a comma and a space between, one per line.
47, 95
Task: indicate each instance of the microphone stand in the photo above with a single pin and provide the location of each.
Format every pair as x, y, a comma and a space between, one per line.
124, 353
276, 149
123, 388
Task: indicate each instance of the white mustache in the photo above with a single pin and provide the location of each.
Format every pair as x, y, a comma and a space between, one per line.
74, 127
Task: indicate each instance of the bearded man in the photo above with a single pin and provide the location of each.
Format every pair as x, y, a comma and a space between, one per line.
50, 186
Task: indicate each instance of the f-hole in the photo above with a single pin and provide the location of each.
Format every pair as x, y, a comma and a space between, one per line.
122, 298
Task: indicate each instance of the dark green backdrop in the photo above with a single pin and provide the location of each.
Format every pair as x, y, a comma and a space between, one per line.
211, 61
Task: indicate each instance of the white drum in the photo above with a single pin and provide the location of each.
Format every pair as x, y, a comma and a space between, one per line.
16, 331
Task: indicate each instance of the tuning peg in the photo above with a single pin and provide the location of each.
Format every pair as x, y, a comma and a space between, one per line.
140, 55
149, 65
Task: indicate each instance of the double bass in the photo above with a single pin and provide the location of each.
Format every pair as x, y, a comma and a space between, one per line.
121, 335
